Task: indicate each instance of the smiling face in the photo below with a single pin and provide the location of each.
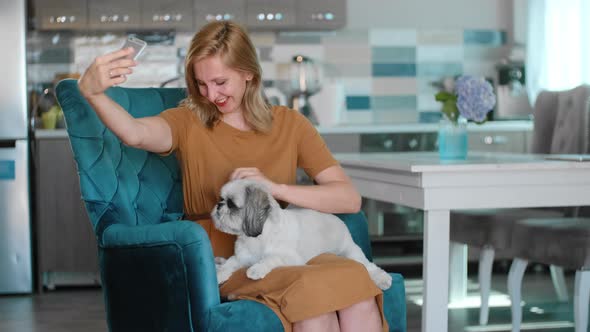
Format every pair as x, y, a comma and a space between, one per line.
220, 84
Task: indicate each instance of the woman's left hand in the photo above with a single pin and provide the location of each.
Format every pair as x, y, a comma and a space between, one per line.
253, 173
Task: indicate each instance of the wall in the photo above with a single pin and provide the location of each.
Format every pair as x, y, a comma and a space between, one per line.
386, 59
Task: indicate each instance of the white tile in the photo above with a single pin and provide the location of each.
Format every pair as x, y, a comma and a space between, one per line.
388, 86
357, 86
439, 53
269, 70
392, 37
285, 53
439, 36
426, 102
480, 68
348, 54
395, 116
358, 117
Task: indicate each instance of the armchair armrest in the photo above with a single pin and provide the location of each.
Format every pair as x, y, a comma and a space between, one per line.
357, 225
160, 269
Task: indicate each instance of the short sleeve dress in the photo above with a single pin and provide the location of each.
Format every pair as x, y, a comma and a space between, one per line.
207, 156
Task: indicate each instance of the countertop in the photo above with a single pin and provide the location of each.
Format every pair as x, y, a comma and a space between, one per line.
503, 126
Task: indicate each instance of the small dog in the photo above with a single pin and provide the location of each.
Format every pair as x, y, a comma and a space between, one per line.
269, 237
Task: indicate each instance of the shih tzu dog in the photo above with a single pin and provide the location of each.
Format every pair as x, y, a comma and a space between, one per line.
270, 237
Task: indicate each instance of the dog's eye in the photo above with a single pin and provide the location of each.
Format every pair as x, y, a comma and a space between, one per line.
230, 204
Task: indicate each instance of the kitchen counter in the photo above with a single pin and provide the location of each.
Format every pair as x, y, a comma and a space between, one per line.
368, 129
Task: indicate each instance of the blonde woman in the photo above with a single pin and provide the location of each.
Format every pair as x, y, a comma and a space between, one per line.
225, 130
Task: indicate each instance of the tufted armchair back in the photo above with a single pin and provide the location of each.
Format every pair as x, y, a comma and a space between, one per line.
562, 121
119, 183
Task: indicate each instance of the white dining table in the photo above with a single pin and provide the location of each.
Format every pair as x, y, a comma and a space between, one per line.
484, 180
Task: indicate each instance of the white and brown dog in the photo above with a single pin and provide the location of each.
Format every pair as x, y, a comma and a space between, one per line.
269, 236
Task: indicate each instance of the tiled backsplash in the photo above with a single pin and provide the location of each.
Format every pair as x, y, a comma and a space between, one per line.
386, 73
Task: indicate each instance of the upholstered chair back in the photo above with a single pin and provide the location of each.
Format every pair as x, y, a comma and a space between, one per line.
119, 183
562, 121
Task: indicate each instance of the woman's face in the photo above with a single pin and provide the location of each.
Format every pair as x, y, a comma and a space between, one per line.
220, 84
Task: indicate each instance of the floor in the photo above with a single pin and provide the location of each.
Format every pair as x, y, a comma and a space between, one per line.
82, 309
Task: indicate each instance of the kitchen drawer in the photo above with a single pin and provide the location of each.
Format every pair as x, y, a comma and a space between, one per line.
398, 142
497, 141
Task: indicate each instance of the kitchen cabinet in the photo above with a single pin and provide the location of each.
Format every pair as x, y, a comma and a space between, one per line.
270, 14
188, 15
114, 14
61, 14
65, 243
167, 14
319, 15
216, 10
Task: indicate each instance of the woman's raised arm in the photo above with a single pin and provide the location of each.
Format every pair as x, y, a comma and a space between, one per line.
149, 133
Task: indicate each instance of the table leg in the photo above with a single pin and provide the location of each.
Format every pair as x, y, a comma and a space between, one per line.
435, 271
458, 272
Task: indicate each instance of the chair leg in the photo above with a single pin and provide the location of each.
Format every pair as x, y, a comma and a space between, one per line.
486, 260
514, 287
581, 297
559, 283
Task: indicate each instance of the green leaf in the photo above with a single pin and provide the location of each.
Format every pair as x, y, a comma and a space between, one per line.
444, 96
450, 110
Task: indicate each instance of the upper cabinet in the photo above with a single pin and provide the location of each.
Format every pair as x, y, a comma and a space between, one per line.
217, 10
188, 15
271, 14
114, 14
61, 14
167, 14
320, 15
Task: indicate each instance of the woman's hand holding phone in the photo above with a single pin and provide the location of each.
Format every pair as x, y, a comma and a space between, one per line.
107, 70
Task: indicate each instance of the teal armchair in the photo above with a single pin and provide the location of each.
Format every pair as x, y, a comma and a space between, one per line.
158, 272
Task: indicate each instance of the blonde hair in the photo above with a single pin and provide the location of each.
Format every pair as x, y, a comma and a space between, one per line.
230, 41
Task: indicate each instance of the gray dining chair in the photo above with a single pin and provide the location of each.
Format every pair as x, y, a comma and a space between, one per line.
563, 242
559, 128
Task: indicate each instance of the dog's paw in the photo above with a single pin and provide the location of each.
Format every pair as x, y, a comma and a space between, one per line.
220, 260
381, 278
222, 275
257, 271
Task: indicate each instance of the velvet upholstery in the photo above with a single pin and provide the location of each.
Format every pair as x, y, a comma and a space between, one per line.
158, 272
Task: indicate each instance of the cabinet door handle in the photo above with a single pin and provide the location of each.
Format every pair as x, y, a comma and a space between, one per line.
492, 140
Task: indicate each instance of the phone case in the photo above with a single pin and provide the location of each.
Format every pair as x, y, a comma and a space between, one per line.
137, 44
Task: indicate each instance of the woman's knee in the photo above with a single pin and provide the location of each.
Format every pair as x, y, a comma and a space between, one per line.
322, 323
361, 308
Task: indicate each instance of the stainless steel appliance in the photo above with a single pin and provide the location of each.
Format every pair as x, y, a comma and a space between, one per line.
305, 81
15, 235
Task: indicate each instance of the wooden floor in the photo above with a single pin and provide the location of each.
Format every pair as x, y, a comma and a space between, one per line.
82, 309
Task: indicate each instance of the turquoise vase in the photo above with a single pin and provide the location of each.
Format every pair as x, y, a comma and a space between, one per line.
452, 139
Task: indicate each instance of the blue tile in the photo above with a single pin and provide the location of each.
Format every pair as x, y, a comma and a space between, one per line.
393, 54
440, 69
429, 117
358, 103
485, 37
394, 69
393, 102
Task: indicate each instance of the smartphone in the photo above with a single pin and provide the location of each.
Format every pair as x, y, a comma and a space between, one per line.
137, 44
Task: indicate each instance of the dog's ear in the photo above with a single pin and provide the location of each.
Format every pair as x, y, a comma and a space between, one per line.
256, 210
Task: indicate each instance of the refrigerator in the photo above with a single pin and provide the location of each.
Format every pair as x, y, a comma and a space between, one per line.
15, 215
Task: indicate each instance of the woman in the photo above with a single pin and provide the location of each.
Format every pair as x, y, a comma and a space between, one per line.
224, 130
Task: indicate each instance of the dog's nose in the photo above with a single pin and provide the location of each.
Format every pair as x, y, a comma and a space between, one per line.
220, 204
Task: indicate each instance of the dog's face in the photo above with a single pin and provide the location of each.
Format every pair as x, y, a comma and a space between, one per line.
243, 208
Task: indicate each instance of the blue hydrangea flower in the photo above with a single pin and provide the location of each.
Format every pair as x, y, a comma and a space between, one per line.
475, 97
